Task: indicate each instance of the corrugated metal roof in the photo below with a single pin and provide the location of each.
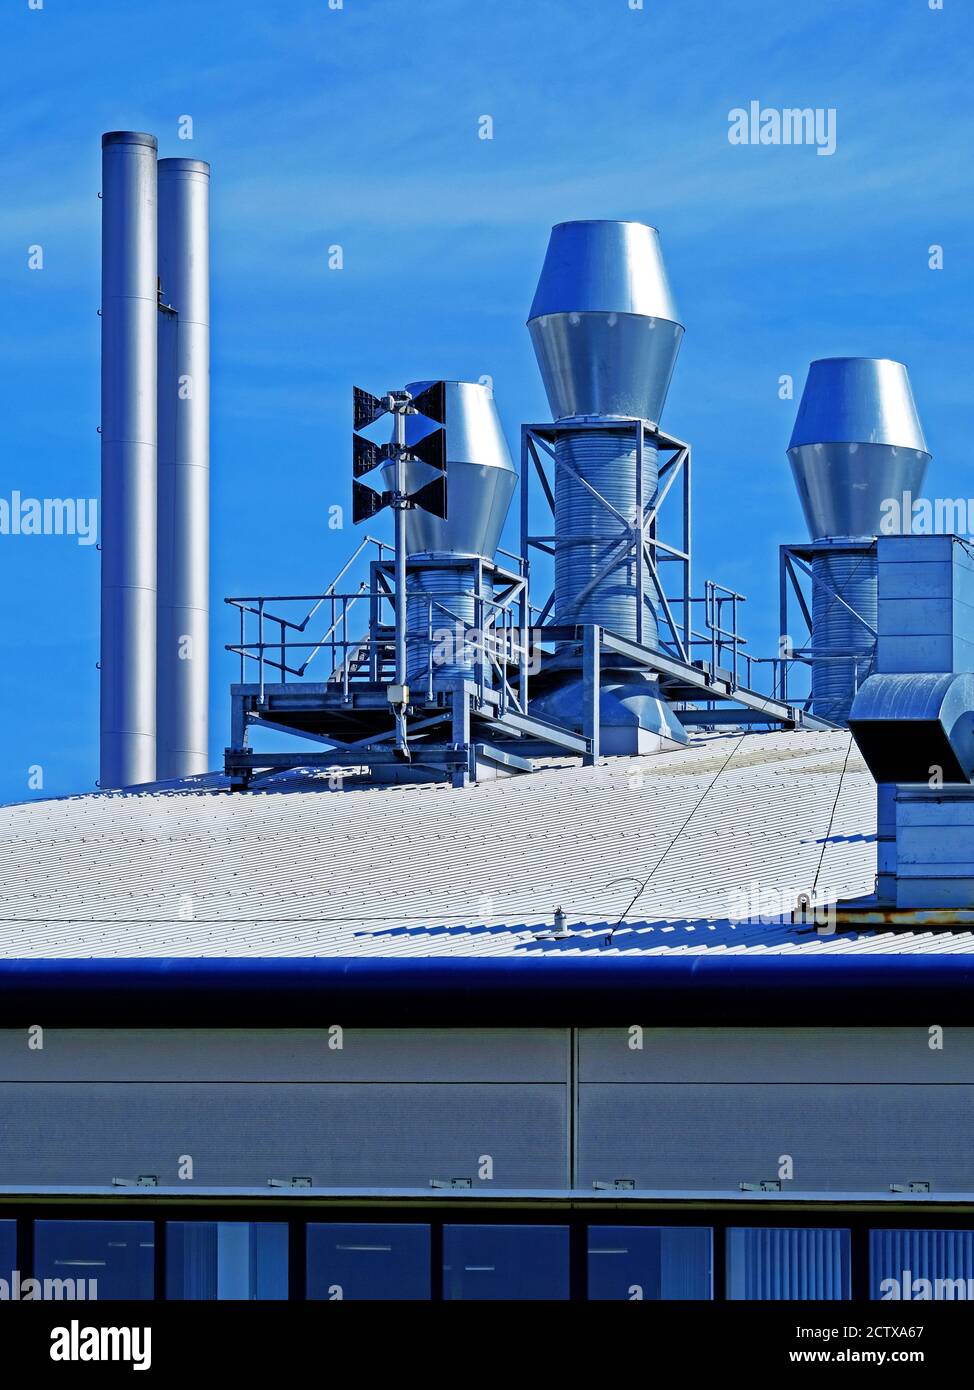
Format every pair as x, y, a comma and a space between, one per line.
304, 869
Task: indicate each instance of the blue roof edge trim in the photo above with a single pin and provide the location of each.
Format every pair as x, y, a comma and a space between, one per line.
545, 991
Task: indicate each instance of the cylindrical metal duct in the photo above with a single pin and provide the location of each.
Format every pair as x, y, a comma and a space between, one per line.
128, 459
441, 615
857, 444
844, 646
182, 678
480, 480
596, 563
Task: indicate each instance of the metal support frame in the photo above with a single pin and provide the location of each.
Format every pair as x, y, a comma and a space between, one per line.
450, 731
635, 537
795, 561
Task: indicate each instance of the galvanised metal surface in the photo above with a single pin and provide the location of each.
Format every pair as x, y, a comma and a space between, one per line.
844, 613
906, 724
606, 335
604, 326
596, 563
182, 672
442, 602
480, 479
480, 476
128, 459
857, 442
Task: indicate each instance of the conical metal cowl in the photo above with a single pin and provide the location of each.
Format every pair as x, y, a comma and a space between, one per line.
857, 442
604, 326
480, 477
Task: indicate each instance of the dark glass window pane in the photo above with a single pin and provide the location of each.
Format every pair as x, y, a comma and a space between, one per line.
921, 1265
117, 1255
368, 1261
8, 1249
509, 1262
226, 1259
650, 1262
787, 1262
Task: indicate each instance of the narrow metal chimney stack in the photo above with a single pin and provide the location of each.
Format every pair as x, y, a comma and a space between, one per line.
857, 442
182, 670
128, 459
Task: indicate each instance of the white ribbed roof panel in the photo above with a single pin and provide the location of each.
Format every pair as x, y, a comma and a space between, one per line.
303, 870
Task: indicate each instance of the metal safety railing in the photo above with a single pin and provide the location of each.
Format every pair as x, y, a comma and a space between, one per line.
279, 646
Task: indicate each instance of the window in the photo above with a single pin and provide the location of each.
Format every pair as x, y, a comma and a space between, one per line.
786, 1262
921, 1265
226, 1259
367, 1261
650, 1262
107, 1259
8, 1250
508, 1262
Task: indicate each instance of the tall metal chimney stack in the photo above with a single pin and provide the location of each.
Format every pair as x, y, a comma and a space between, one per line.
182, 654
128, 459
857, 441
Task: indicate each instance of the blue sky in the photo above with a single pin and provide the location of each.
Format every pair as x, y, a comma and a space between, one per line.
359, 127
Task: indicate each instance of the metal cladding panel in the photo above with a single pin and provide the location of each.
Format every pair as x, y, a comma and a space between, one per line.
926, 607
128, 459
935, 845
844, 613
242, 1135
712, 1137
450, 1055
798, 1055
182, 674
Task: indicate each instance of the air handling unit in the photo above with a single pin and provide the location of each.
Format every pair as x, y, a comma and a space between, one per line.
155, 463
857, 450
459, 672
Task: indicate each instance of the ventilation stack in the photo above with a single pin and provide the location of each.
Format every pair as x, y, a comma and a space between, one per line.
155, 463
857, 443
444, 581
128, 459
182, 655
606, 334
